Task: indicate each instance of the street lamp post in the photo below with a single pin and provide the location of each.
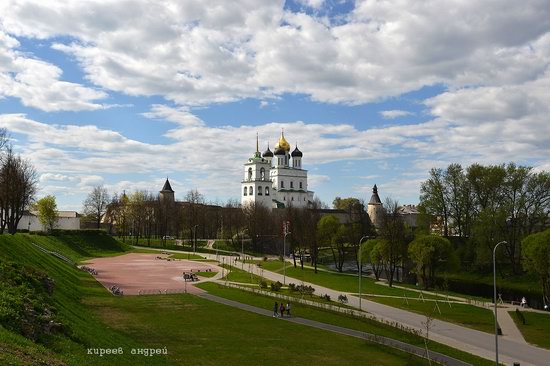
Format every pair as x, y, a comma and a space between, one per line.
195, 238
284, 257
495, 298
361, 266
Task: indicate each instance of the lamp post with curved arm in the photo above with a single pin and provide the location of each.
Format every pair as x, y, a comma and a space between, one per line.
495, 297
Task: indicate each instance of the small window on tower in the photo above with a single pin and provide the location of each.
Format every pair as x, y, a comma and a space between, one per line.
292, 199
262, 173
251, 190
282, 184
284, 198
291, 184
249, 173
267, 191
245, 191
259, 190
301, 185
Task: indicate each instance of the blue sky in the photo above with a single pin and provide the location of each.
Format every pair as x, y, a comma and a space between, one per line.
372, 91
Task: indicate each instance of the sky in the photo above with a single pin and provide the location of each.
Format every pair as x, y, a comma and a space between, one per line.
124, 93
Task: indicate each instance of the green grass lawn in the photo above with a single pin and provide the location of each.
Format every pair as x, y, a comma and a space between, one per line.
186, 256
236, 274
536, 329
206, 274
342, 320
336, 281
467, 315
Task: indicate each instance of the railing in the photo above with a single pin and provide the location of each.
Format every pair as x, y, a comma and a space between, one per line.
55, 254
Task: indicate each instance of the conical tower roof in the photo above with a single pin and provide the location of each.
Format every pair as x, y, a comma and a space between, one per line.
167, 186
375, 199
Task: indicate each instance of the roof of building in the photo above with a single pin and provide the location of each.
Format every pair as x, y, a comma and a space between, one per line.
375, 199
283, 143
167, 186
267, 153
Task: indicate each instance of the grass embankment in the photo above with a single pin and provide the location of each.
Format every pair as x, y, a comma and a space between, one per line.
79, 246
536, 328
342, 320
194, 330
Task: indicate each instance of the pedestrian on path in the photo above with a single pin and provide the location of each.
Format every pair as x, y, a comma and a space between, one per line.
275, 310
282, 309
288, 309
523, 302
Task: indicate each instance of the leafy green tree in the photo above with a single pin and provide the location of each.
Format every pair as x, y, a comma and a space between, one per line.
332, 234
371, 252
46, 208
393, 248
536, 251
428, 253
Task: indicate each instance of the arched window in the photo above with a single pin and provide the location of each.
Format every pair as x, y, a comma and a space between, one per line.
291, 184
249, 173
267, 191
259, 190
251, 191
245, 191
262, 174
282, 184
284, 198
292, 198
301, 185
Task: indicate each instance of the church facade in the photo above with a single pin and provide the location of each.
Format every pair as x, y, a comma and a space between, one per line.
276, 179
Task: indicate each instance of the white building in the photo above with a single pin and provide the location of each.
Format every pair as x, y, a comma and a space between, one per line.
276, 179
67, 220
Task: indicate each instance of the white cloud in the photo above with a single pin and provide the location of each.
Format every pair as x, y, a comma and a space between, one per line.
197, 53
38, 83
395, 113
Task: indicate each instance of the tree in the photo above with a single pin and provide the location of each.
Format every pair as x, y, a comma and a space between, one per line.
393, 247
371, 253
536, 251
428, 253
96, 203
47, 212
329, 234
433, 196
18, 184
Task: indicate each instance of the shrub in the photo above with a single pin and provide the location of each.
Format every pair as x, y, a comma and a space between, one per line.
263, 284
292, 287
343, 299
276, 286
326, 297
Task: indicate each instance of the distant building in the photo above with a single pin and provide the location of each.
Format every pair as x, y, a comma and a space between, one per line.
276, 179
67, 220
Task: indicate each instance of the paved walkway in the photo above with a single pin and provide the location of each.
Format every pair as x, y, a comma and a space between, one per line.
469, 340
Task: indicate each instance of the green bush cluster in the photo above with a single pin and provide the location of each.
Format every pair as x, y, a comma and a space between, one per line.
276, 286
25, 305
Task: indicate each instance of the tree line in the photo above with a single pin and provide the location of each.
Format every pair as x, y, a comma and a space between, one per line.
480, 206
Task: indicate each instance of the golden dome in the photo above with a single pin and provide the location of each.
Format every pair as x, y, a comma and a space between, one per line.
283, 143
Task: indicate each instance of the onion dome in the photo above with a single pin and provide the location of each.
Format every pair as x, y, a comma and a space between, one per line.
279, 151
297, 153
282, 144
267, 153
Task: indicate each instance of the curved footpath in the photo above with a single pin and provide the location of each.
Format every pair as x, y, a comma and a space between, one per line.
469, 340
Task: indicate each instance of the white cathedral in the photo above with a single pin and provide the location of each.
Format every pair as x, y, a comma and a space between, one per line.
271, 180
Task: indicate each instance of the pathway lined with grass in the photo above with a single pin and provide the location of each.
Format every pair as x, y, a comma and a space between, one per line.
469, 340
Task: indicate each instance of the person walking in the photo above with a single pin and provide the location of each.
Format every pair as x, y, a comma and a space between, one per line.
282, 309
288, 309
275, 310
